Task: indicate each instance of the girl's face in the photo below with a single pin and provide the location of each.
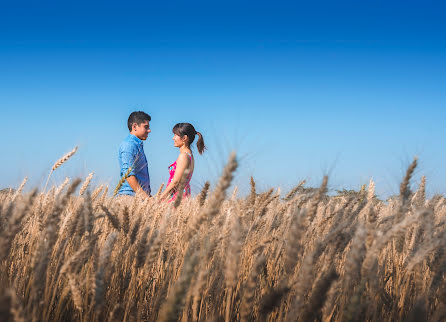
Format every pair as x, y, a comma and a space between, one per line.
179, 141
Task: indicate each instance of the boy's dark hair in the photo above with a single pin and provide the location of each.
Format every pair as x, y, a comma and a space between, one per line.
138, 118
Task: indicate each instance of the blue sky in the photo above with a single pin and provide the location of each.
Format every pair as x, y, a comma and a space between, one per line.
354, 89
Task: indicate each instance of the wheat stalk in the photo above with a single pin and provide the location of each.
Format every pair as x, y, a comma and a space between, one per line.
175, 301
99, 279
319, 294
249, 290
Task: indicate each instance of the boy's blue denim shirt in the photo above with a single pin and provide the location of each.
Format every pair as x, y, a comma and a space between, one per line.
131, 154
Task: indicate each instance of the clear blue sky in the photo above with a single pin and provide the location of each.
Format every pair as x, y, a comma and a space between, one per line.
350, 88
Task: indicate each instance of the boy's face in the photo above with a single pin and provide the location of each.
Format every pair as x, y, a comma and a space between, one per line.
142, 130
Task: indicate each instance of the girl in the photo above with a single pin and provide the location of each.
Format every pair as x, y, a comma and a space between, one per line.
184, 135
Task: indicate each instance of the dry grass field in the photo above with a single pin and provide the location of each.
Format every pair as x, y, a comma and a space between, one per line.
308, 256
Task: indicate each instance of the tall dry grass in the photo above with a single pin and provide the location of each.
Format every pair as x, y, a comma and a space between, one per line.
306, 257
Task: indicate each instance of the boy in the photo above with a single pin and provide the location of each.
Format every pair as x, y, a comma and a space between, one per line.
131, 154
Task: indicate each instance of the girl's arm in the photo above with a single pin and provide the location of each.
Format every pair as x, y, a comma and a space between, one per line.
182, 164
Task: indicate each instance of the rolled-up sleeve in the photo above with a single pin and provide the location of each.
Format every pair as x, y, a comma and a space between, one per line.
127, 155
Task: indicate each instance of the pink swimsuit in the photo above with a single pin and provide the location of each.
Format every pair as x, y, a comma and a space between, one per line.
174, 192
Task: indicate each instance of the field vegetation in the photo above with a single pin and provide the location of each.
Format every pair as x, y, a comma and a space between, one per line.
75, 254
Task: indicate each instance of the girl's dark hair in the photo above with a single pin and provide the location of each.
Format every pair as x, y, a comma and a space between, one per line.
182, 129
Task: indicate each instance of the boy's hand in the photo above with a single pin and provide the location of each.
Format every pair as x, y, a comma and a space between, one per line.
136, 186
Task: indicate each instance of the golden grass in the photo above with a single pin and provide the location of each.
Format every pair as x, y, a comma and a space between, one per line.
306, 257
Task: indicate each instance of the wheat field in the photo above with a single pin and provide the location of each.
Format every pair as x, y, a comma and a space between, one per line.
308, 256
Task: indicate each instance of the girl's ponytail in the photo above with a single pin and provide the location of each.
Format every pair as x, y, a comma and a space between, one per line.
200, 143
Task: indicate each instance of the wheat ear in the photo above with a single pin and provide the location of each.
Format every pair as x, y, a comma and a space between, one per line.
61, 187
317, 198
121, 182
293, 191
234, 194
420, 196
85, 184
159, 190
371, 191
59, 163
253, 194
203, 194
19, 189
404, 188
96, 192
113, 220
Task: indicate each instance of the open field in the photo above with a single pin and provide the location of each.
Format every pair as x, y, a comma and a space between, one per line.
217, 257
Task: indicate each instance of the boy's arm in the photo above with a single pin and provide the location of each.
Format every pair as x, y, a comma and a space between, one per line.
134, 184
